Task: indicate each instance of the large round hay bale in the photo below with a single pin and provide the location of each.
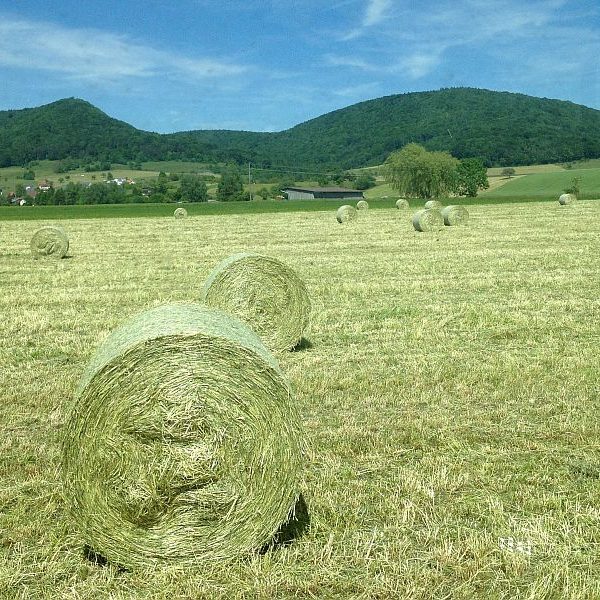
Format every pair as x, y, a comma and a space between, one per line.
402, 203
183, 444
428, 220
50, 241
345, 213
455, 215
180, 213
264, 293
435, 204
362, 205
567, 199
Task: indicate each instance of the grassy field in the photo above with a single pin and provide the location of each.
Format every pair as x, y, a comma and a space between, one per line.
449, 395
548, 185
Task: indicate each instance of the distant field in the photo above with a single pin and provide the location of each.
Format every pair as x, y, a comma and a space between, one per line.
449, 396
548, 185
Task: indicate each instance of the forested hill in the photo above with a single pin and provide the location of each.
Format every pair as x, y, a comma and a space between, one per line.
502, 128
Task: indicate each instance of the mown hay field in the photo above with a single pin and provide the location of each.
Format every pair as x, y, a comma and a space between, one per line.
449, 389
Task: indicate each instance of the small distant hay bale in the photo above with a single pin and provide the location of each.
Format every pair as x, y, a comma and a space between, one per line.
183, 444
345, 213
433, 204
402, 203
362, 205
264, 293
180, 213
428, 220
455, 215
50, 241
565, 199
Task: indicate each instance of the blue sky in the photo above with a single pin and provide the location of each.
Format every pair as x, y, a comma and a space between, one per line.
268, 65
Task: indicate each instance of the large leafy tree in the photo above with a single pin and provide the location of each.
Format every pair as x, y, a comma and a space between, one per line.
230, 186
416, 172
193, 189
471, 176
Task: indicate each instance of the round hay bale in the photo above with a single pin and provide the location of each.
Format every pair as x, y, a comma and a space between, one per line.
402, 203
362, 205
50, 241
345, 213
565, 199
183, 443
180, 213
428, 220
436, 204
455, 215
264, 293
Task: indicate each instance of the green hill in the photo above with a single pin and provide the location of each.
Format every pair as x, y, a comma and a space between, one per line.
502, 128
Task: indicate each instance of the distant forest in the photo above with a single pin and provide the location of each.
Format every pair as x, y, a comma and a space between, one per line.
501, 128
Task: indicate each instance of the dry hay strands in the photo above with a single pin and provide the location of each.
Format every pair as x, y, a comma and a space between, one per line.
264, 293
428, 220
183, 444
345, 213
565, 199
50, 241
180, 213
433, 204
455, 215
402, 203
362, 205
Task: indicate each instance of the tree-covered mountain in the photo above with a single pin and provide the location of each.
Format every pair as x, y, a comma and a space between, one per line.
502, 128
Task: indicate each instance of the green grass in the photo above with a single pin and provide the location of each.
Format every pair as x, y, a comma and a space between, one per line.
449, 395
549, 185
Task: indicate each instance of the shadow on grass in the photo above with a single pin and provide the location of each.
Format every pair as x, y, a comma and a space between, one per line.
292, 529
303, 344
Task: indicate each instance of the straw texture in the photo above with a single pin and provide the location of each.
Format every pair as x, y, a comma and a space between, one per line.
567, 199
183, 444
362, 205
427, 220
455, 215
180, 213
50, 241
345, 213
264, 293
436, 204
402, 203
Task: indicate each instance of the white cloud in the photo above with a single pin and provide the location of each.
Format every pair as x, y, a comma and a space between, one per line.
94, 55
376, 12
413, 42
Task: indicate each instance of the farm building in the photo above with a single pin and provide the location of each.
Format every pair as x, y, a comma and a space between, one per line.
302, 193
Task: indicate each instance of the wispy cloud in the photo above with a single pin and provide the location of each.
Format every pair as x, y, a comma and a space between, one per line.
94, 55
414, 43
376, 12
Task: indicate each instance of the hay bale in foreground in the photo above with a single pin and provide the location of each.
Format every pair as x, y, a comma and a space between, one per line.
183, 444
345, 213
50, 241
435, 204
402, 203
565, 199
428, 220
264, 293
455, 215
180, 213
362, 205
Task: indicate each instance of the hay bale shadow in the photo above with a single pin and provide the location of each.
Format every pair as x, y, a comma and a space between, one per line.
303, 344
292, 529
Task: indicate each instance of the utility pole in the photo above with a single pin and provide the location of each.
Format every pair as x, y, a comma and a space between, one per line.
249, 182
